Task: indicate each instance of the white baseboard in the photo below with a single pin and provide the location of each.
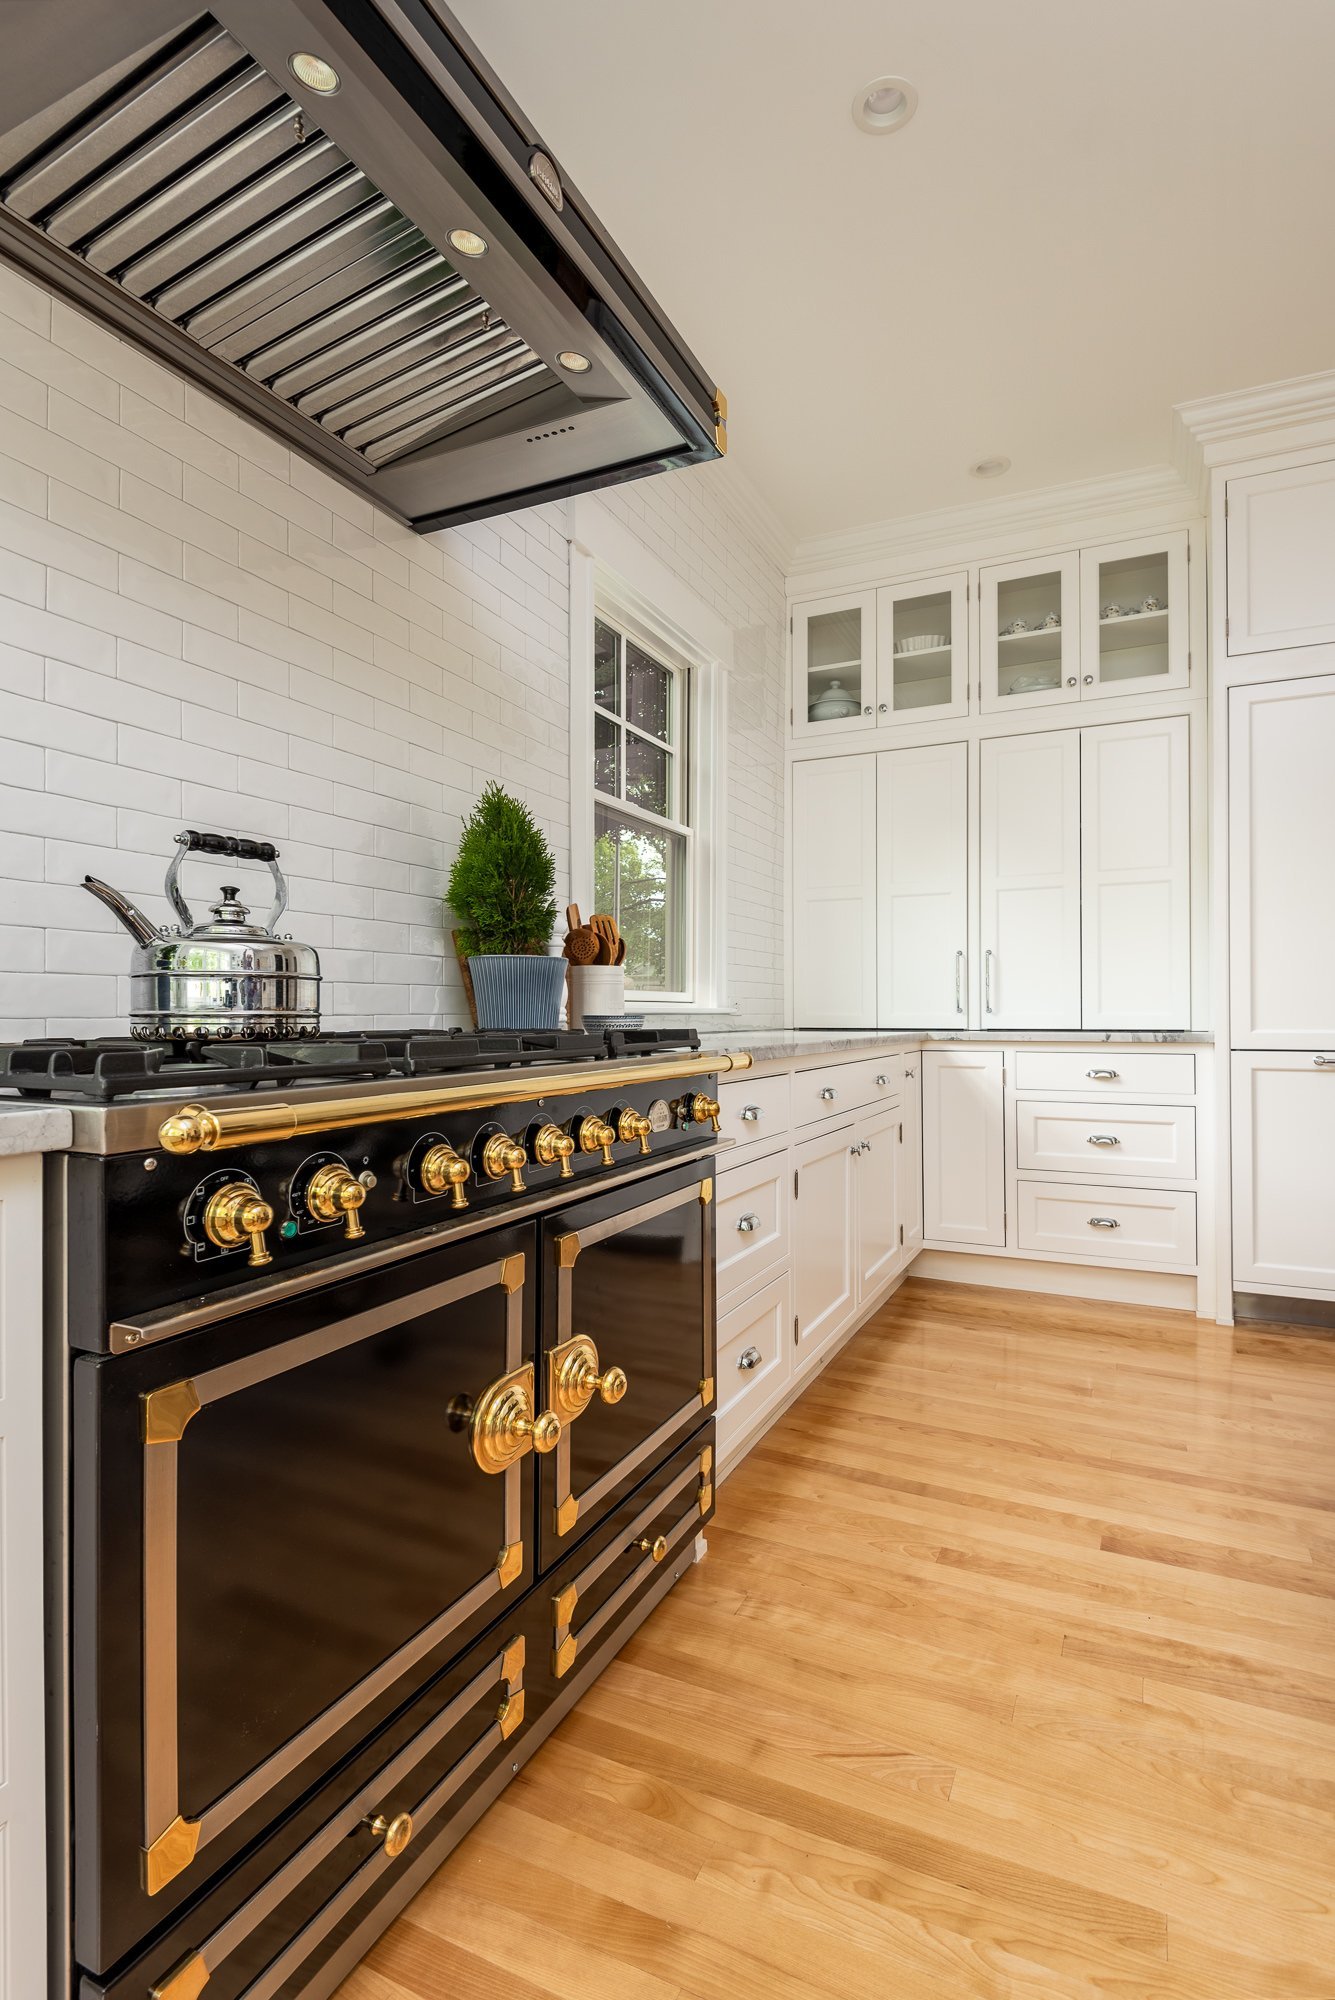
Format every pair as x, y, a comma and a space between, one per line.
1077, 1281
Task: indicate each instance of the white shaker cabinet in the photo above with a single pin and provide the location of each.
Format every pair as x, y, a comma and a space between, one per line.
1134, 626
963, 1146
876, 1178
922, 873
1281, 805
824, 1273
908, 1198
23, 1943
1136, 875
834, 664
1029, 633
1281, 559
1283, 1180
1030, 880
834, 892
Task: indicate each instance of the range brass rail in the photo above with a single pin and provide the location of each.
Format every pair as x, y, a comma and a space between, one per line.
196, 1128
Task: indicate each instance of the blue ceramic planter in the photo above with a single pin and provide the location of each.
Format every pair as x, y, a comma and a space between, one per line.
518, 990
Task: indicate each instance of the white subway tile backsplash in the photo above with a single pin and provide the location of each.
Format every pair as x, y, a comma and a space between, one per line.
203, 629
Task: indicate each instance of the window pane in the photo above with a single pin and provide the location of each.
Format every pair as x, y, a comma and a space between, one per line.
606, 680
648, 693
647, 782
639, 877
606, 755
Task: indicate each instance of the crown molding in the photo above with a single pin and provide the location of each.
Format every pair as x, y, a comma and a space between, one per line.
1251, 423
1149, 498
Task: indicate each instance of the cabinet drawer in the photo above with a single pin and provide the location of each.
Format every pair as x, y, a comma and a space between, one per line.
839, 1087
754, 1111
751, 1232
1097, 1072
1148, 1140
755, 1357
1133, 1225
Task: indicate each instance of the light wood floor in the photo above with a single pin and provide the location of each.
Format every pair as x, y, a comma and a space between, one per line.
1010, 1675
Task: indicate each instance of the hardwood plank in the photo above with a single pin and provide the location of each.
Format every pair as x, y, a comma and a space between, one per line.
1010, 1676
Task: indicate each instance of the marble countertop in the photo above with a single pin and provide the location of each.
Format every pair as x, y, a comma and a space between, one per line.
34, 1128
774, 1044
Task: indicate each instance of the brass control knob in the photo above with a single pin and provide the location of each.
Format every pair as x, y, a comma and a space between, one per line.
334, 1191
501, 1156
657, 1548
394, 1834
597, 1137
552, 1144
238, 1214
634, 1125
442, 1169
697, 1109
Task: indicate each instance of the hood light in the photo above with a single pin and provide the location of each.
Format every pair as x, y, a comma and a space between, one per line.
576, 364
315, 73
884, 104
468, 243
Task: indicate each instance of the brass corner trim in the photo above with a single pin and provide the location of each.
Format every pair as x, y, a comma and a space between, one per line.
567, 1249
563, 1604
567, 1514
511, 1713
706, 1191
721, 422
563, 1658
512, 1660
167, 1411
707, 1389
512, 1273
185, 1981
706, 1497
170, 1853
509, 1563
706, 1460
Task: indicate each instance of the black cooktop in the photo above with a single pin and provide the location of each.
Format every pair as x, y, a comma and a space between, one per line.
98, 1071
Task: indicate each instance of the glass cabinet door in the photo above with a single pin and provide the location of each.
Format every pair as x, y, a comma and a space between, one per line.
1029, 633
834, 664
1133, 599
922, 651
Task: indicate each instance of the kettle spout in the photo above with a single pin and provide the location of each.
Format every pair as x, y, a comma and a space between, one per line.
134, 920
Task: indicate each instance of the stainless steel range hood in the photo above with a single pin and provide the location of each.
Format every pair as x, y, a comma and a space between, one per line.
293, 249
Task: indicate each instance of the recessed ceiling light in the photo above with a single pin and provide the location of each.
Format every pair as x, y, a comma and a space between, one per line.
578, 364
990, 468
885, 104
314, 72
468, 243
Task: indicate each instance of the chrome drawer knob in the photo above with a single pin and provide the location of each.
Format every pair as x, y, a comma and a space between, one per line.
748, 1359
828, 1095
747, 1223
750, 1113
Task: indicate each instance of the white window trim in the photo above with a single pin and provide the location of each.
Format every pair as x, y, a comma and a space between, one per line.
608, 563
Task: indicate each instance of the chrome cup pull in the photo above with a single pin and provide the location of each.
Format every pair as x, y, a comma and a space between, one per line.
748, 1359
1103, 1222
1103, 1075
1103, 1139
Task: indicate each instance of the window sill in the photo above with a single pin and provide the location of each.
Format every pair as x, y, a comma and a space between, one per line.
636, 1005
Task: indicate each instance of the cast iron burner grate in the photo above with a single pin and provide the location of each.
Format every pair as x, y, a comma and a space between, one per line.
99, 1071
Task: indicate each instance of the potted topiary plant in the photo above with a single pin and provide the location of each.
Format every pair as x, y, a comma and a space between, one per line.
501, 889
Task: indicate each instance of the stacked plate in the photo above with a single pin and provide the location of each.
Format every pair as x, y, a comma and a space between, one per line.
924, 642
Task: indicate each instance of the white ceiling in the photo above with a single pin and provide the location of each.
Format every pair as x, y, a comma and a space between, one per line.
1097, 212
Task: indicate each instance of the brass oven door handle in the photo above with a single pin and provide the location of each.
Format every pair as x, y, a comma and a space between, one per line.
504, 1425
575, 1377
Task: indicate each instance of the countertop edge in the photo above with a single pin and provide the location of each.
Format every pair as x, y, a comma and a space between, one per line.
34, 1128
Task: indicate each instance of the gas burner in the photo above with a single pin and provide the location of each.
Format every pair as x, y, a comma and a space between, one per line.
118, 1067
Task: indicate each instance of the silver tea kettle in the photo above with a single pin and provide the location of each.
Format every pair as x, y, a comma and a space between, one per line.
221, 979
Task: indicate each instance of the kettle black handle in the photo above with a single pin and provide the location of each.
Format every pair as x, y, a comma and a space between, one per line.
229, 847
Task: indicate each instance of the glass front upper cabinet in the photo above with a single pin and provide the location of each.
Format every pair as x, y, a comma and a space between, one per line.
1133, 615
1029, 637
922, 651
834, 664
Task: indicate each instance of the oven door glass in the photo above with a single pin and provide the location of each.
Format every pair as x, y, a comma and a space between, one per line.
282, 1527
627, 1342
